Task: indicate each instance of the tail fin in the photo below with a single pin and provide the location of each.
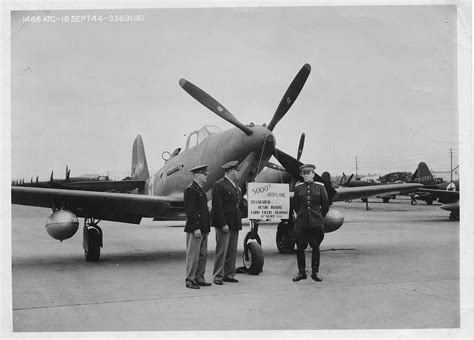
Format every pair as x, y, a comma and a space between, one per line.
423, 175
139, 166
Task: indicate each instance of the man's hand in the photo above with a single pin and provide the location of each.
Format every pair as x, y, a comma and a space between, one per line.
225, 228
197, 233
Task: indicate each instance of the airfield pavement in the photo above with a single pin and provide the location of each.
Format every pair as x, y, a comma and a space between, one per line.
396, 266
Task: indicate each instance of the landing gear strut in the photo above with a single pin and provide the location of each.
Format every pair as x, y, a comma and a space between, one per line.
92, 239
253, 253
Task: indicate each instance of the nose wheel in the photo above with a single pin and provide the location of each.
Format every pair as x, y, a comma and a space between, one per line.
253, 254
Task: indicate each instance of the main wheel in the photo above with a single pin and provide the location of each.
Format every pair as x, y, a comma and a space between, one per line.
253, 258
386, 199
94, 243
414, 202
285, 240
429, 201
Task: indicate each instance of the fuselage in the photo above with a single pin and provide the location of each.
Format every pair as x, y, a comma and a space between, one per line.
214, 150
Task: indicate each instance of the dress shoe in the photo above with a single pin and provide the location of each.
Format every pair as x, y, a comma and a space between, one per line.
204, 283
300, 276
218, 282
192, 285
229, 279
315, 277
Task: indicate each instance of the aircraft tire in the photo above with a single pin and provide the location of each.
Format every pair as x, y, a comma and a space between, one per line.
386, 199
285, 240
429, 202
94, 243
253, 258
414, 202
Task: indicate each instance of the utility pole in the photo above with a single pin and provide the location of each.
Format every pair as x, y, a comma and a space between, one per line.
451, 156
357, 166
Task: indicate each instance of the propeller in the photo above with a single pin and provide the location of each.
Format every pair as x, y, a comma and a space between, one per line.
300, 146
290, 95
213, 105
350, 177
51, 177
68, 171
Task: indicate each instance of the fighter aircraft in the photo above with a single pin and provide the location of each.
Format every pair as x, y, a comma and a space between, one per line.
352, 183
160, 196
89, 182
446, 193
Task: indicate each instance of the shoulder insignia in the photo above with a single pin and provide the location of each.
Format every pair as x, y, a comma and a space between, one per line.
319, 183
299, 184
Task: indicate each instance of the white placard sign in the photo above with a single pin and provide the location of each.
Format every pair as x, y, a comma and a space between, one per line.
268, 201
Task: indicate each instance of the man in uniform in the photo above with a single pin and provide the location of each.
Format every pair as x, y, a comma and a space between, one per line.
197, 228
311, 205
227, 220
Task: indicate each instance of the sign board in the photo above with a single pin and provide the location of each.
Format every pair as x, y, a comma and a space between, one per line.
268, 201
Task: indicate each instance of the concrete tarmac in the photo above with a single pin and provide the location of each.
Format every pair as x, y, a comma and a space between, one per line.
395, 266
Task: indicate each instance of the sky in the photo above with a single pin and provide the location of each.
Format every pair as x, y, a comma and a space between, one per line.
383, 85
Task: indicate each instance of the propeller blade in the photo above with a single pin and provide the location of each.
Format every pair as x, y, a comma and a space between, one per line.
290, 95
213, 105
300, 146
350, 177
51, 178
68, 171
292, 165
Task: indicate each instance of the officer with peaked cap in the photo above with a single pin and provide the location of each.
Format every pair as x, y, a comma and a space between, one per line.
198, 226
227, 203
310, 202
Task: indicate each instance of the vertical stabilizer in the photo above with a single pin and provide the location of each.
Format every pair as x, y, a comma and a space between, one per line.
139, 166
423, 175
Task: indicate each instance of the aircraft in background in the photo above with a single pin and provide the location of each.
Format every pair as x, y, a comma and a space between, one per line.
160, 196
395, 177
447, 193
351, 183
83, 182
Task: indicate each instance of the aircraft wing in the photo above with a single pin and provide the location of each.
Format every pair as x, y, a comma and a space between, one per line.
444, 196
119, 207
91, 185
345, 194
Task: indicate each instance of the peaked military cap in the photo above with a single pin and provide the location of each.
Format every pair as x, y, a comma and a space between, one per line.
230, 165
199, 169
307, 167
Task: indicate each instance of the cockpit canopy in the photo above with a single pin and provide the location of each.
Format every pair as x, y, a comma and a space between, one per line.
198, 136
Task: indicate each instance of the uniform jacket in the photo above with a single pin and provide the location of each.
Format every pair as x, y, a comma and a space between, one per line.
310, 201
227, 203
195, 206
